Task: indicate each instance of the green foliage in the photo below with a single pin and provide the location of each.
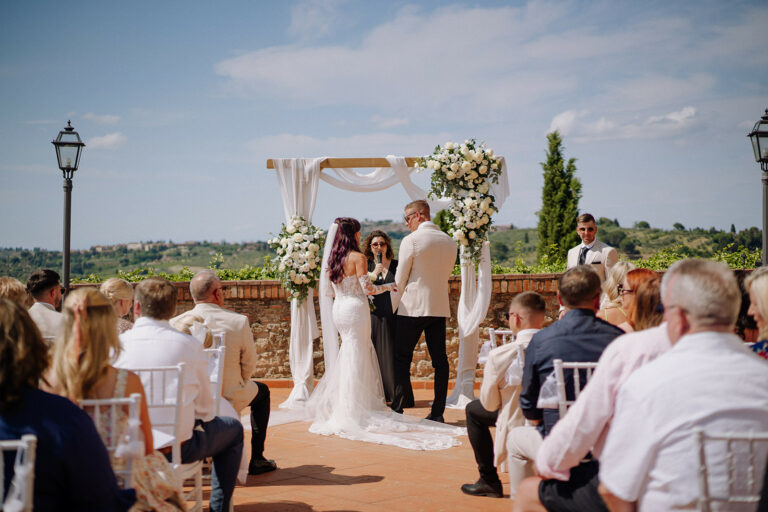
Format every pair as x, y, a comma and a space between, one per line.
444, 220
559, 202
641, 224
680, 227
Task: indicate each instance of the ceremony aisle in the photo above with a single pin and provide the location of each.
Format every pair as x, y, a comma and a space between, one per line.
323, 474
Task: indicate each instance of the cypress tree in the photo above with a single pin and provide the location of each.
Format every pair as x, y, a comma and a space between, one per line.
559, 202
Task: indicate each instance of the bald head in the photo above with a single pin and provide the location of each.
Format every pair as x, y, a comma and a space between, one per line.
204, 285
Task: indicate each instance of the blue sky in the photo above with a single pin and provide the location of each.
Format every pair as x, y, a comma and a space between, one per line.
181, 103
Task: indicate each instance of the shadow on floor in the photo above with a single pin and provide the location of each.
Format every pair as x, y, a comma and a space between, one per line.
313, 475
280, 506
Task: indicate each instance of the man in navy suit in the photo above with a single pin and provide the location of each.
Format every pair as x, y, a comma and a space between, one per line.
579, 336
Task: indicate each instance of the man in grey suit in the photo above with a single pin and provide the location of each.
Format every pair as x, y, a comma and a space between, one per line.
426, 260
591, 251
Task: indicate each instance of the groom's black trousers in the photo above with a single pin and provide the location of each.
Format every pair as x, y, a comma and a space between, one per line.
409, 329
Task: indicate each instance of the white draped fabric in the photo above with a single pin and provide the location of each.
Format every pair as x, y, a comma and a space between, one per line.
298, 184
298, 179
330, 332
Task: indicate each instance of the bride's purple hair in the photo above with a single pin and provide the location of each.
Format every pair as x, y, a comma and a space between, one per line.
343, 244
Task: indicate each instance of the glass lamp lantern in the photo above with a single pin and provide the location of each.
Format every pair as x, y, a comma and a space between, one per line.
759, 136
68, 149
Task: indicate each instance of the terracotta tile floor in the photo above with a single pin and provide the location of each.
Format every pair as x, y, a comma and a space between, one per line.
318, 473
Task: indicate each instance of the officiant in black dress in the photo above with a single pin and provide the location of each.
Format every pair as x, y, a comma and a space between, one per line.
377, 248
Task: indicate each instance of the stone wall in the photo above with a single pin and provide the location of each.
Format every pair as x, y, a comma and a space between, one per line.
265, 304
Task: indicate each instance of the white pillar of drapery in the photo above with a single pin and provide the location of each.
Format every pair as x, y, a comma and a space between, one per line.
298, 179
473, 306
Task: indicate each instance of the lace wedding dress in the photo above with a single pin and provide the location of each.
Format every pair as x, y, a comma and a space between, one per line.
349, 400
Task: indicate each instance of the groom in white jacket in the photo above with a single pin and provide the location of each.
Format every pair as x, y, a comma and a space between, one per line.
426, 260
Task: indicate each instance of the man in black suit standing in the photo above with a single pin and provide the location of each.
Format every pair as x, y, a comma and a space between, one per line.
579, 336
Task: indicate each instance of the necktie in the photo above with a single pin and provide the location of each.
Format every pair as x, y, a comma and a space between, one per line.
583, 255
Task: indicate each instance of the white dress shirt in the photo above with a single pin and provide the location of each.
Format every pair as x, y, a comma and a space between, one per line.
153, 343
47, 319
708, 380
586, 425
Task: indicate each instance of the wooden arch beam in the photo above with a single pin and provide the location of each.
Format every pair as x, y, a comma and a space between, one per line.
353, 163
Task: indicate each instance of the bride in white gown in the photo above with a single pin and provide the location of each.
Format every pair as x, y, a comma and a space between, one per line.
349, 400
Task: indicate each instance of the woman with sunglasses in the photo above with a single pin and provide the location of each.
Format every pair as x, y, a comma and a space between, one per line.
382, 268
628, 291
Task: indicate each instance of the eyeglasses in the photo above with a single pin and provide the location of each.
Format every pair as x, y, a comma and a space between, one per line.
408, 217
624, 291
379, 244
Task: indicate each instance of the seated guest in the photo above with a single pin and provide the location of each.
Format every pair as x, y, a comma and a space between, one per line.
498, 398
13, 289
610, 303
207, 291
153, 342
81, 369
578, 337
72, 470
120, 292
649, 460
757, 287
627, 292
567, 474
45, 288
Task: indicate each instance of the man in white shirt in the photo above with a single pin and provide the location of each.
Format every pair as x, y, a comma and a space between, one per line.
153, 342
707, 379
45, 287
591, 251
498, 404
207, 291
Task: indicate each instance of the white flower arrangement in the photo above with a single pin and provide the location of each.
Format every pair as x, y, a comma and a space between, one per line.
464, 172
298, 256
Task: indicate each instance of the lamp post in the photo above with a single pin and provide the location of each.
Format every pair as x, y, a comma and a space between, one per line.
68, 149
759, 136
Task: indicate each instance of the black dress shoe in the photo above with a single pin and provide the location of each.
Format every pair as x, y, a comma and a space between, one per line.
482, 488
257, 467
438, 419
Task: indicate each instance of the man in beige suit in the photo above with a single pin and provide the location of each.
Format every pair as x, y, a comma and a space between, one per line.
498, 404
426, 260
591, 251
207, 291
45, 287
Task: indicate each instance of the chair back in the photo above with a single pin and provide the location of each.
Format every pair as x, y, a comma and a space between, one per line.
734, 459
215, 358
579, 372
119, 433
21, 492
163, 387
503, 335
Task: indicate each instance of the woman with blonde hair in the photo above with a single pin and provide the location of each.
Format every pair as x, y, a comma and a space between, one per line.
120, 292
628, 293
72, 470
610, 305
13, 289
757, 287
82, 368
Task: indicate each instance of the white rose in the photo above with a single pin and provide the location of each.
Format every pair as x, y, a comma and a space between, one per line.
448, 145
483, 188
281, 268
450, 175
472, 235
455, 166
486, 219
494, 166
483, 169
312, 264
473, 175
298, 237
290, 229
314, 247
464, 241
489, 153
466, 166
292, 275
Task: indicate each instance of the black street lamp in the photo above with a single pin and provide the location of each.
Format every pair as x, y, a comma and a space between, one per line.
759, 136
68, 149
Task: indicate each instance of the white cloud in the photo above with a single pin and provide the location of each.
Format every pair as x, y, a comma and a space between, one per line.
101, 119
579, 126
389, 122
108, 141
315, 18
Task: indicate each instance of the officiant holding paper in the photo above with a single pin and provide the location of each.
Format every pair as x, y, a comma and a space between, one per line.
382, 266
